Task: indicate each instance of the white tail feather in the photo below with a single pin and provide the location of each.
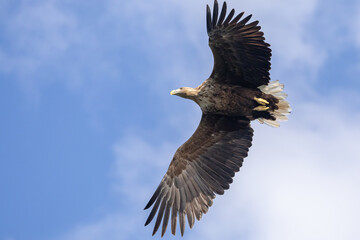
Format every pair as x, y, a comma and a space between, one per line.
272, 123
275, 88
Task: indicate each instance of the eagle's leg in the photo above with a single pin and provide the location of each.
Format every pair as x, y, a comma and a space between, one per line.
261, 108
261, 101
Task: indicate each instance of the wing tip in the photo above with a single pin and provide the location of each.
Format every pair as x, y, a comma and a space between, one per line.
229, 17
147, 221
147, 206
215, 13
208, 18
222, 14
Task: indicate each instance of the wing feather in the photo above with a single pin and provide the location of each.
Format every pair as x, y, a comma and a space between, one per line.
154, 197
175, 209
190, 215
215, 13
199, 171
182, 222
237, 18
208, 19
222, 14
153, 211
160, 215
241, 55
229, 17
167, 213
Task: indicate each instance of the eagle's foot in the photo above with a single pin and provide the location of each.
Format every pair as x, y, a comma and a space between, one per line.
261, 108
261, 101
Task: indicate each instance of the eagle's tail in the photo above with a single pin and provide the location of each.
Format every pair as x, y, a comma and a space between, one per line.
276, 89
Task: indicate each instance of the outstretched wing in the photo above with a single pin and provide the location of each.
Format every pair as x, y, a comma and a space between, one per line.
202, 167
241, 55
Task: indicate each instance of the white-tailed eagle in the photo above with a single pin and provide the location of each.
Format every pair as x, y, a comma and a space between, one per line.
238, 91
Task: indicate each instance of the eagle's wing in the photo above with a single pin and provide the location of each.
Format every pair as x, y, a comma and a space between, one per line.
202, 166
241, 56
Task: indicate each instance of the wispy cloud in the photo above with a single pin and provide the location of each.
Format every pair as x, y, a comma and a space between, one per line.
298, 181
37, 32
136, 160
35, 36
48, 30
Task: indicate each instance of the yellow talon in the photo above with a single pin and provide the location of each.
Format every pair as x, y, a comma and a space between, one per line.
261, 101
261, 108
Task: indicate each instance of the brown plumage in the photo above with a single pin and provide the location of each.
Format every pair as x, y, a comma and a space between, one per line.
237, 92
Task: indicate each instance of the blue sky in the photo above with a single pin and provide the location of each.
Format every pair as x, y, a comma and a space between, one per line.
89, 127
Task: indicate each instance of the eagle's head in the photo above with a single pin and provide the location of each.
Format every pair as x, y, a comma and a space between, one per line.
185, 92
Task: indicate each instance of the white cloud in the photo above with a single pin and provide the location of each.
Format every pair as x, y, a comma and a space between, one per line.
299, 181
172, 28
35, 34
38, 31
135, 161
285, 26
163, 30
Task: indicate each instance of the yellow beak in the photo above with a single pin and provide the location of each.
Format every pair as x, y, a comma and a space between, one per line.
172, 92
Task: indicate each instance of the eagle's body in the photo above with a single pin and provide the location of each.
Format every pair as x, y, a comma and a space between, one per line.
238, 91
230, 100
